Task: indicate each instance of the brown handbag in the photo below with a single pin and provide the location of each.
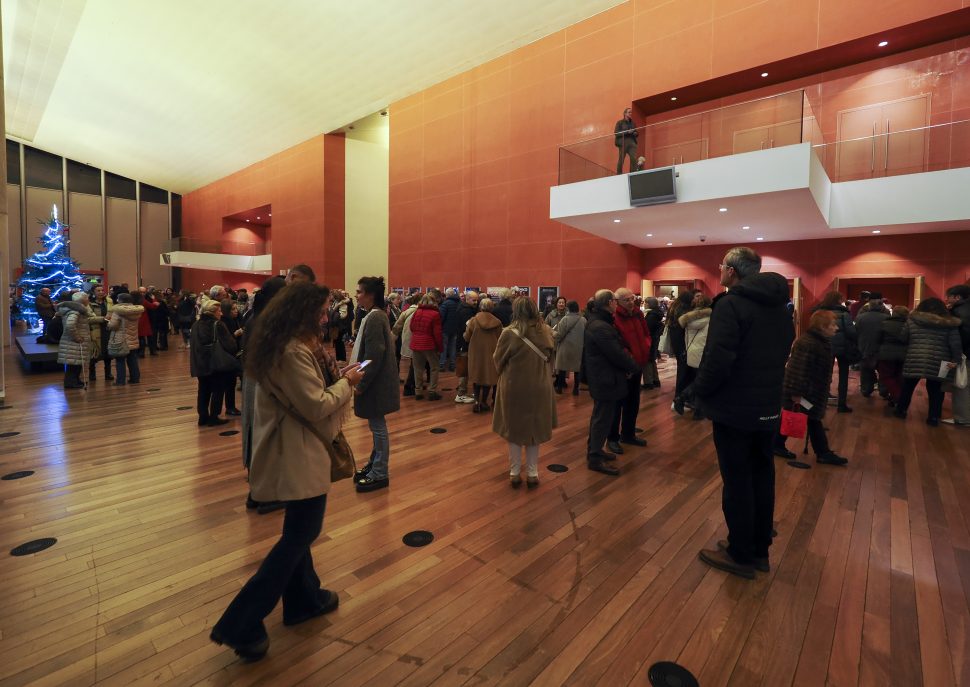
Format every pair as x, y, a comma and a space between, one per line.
342, 463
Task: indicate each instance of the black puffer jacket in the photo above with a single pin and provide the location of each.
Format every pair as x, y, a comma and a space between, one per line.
655, 325
739, 382
607, 360
846, 331
868, 326
465, 312
891, 344
931, 339
809, 372
962, 310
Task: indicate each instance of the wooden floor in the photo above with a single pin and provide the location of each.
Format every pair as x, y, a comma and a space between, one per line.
587, 580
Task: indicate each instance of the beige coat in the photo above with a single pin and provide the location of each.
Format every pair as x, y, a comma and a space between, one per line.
525, 408
125, 316
482, 334
290, 462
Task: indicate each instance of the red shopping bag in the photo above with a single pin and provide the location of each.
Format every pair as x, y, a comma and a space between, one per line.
794, 424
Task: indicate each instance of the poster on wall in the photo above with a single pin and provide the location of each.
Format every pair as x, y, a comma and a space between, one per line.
398, 290
522, 290
494, 292
411, 290
476, 289
547, 297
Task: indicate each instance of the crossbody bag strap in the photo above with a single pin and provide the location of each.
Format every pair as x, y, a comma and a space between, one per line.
531, 345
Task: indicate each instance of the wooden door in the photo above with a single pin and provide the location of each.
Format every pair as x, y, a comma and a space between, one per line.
856, 146
918, 287
750, 139
906, 140
883, 139
679, 153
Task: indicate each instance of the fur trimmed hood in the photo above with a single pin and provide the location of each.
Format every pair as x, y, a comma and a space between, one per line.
928, 319
693, 315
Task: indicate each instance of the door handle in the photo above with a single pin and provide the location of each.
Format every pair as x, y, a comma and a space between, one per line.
886, 161
872, 153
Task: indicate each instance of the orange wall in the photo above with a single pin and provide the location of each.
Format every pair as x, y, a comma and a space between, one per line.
472, 158
308, 223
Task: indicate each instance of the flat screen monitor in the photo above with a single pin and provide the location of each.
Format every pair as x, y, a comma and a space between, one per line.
653, 186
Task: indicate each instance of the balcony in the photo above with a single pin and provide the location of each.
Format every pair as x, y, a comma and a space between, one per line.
761, 171
227, 256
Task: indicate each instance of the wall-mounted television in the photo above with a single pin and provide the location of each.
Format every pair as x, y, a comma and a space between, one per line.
653, 186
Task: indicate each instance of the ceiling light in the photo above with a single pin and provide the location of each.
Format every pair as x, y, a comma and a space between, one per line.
673, 97
745, 227
258, 217
616, 221
883, 44
722, 209
764, 74
760, 238
876, 231
649, 236
247, 220
271, 214
670, 244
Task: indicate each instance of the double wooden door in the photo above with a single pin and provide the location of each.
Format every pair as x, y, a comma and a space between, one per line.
883, 139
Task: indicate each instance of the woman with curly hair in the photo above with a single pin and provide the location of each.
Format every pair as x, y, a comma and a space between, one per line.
301, 398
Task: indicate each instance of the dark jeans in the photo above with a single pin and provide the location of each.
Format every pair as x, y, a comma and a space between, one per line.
209, 400
627, 411
339, 348
934, 389
229, 390
107, 367
685, 373
160, 337
148, 341
748, 496
599, 424
287, 572
134, 373
629, 149
843, 378
869, 377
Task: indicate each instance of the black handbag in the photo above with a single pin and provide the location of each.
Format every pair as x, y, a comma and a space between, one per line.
222, 360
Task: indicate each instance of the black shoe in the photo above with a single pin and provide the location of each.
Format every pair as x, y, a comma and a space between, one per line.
644, 387
933, 421
368, 484
760, 564
866, 394
328, 602
656, 385
784, 453
250, 653
203, 421
92, 377
234, 412
270, 506
362, 473
250, 503
600, 466
109, 378
434, 396
716, 558
844, 409
600, 455
831, 458
614, 447
408, 392
678, 406
216, 421
633, 441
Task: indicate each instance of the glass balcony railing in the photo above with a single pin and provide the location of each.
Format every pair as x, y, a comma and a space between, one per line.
923, 149
771, 122
197, 245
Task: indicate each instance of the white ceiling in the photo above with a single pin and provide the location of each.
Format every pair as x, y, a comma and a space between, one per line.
780, 216
179, 93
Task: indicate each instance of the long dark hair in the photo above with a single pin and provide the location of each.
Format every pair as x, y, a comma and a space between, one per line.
270, 288
934, 306
293, 314
683, 304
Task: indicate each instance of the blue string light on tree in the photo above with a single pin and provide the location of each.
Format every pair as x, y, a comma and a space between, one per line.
50, 268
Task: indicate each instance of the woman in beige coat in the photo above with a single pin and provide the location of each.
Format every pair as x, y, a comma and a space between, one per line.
525, 410
301, 398
481, 333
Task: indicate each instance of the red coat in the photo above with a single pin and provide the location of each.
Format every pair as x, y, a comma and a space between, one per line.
633, 329
144, 322
426, 329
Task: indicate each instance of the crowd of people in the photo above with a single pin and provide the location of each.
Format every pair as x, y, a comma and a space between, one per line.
307, 355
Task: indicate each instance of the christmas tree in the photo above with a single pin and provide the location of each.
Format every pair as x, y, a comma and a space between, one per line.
51, 268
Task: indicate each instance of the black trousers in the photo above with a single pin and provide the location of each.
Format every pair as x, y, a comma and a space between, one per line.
624, 422
599, 425
684, 373
843, 378
229, 390
209, 400
628, 149
934, 389
340, 348
286, 572
748, 496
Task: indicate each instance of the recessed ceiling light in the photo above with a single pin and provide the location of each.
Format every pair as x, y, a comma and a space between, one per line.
271, 214
258, 217
616, 221
745, 227
670, 244
649, 236
247, 220
673, 97
760, 238
876, 231
764, 74
722, 209
883, 44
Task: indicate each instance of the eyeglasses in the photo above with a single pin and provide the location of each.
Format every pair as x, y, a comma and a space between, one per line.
722, 266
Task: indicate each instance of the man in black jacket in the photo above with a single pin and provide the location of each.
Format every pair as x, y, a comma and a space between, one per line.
625, 138
449, 328
466, 311
739, 387
608, 367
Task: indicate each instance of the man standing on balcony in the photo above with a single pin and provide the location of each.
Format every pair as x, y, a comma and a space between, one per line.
625, 138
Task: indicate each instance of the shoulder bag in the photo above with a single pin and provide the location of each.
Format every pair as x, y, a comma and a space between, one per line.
342, 463
221, 359
118, 343
545, 358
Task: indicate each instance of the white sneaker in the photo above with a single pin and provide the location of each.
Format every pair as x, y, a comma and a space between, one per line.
464, 399
954, 421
